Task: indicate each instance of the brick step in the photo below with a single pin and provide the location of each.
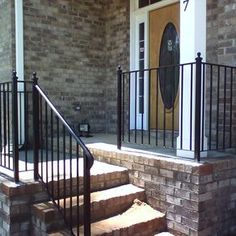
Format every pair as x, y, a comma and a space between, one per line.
103, 176
164, 234
104, 204
45, 215
140, 219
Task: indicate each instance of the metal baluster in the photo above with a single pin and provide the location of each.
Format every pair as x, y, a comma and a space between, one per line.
4, 124
58, 160
1, 130
198, 108
149, 106
71, 179
164, 111
182, 101
15, 127
157, 104
210, 115
64, 171
129, 90
119, 115
224, 113
46, 139
26, 123
135, 108
231, 108
217, 109
77, 187
142, 112
191, 108
52, 152
173, 113
87, 213
36, 126
203, 106
9, 127
123, 106
41, 136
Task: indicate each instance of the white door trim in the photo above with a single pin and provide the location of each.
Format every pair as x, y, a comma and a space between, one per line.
137, 16
19, 42
192, 40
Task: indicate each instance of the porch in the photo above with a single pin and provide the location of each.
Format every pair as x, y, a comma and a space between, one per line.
162, 151
196, 197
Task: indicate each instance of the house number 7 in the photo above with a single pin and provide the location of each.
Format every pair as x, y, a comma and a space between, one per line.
186, 4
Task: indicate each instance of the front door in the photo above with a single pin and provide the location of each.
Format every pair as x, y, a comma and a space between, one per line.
163, 51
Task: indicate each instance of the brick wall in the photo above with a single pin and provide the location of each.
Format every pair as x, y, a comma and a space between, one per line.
75, 47
64, 44
15, 206
221, 34
199, 199
6, 39
221, 48
117, 53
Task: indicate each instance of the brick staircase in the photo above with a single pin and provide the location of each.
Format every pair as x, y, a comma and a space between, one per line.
117, 208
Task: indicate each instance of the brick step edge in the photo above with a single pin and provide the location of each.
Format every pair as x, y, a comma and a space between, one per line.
104, 204
139, 218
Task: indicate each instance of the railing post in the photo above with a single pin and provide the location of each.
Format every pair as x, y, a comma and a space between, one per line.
35, 125
15, 127
87, 210
119, 115
198, 107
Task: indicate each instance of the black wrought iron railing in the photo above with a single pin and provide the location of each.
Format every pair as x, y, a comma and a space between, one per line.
62, 162
15, 120
188, 107
36, 137
219, 101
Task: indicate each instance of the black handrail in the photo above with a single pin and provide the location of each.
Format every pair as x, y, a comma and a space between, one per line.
68, 127
57, 161
42, 123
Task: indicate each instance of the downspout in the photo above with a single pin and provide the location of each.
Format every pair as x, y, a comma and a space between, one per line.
19, 47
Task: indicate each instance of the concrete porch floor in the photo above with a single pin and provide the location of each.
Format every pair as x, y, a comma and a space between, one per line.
104, 139
107, 142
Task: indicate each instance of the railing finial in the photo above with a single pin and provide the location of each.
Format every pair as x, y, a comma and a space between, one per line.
14, 75
34, 78
198, 54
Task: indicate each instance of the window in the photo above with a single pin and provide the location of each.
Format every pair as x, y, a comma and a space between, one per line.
144, 3
141, 67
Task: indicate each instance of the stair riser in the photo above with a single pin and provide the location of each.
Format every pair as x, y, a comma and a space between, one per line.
98, 182
145, 229
106, 208
99, 210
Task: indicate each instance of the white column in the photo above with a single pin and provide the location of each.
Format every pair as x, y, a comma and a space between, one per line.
192, 41
19, 42
19, 38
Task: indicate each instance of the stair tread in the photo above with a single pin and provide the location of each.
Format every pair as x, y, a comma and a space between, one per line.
119, 191
164, 234
103, 168
139, 213
115, 192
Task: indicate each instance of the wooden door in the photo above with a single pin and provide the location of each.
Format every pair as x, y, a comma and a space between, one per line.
164, 23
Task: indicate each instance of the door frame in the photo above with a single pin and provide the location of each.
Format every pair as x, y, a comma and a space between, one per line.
138, 15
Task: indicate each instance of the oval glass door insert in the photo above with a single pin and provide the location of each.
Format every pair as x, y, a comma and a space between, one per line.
168, 61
